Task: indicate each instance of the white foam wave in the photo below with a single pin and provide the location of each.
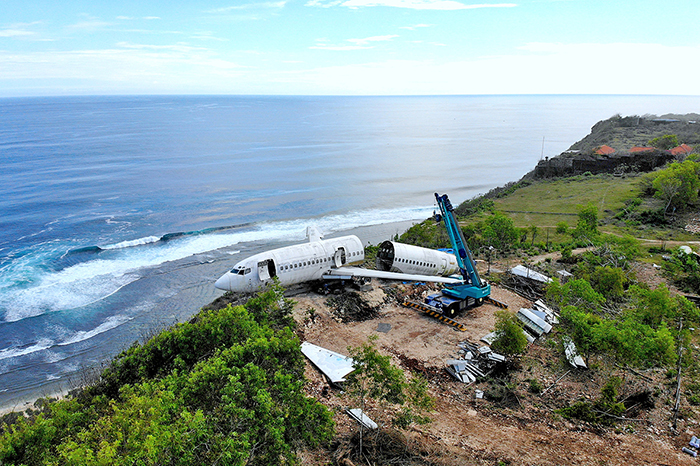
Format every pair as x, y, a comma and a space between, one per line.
110, 323
135, 242
9, 353
89, 282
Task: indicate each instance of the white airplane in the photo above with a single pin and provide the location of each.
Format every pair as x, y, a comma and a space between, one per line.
333, 259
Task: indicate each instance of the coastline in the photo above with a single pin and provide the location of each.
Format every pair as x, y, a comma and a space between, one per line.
369, 235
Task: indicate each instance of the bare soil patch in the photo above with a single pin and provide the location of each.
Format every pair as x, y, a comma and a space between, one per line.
469, 431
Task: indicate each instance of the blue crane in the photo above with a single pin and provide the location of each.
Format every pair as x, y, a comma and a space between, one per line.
472, 290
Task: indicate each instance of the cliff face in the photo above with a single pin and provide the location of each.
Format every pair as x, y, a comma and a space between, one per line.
623, 140
588, 162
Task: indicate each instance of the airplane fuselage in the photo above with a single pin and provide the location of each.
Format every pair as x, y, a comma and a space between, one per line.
293, 264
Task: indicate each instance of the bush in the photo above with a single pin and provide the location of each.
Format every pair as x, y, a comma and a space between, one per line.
510, 339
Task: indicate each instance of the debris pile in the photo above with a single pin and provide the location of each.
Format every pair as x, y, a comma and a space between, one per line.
526, 282
351, 307
475, 362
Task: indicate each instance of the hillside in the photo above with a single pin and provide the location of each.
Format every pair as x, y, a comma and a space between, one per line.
623, 145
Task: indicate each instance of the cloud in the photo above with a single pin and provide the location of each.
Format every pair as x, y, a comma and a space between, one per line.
174, 47
19, 30
90, 24
416, 26
367, 40
410, 4
206, 35
249, 6
130, 68
535, 68
357, 44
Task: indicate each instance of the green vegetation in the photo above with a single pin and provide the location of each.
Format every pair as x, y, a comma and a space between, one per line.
602, 411
377, 379
225, 388
510, 339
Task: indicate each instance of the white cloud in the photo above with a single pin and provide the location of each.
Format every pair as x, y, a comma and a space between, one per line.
132, 68
249, 6
19, 30
206, 35
367, 40
410, 4
11, 32
416, 26
537, 68
357, 44
174, 47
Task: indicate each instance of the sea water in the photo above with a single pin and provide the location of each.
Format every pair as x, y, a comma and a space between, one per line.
117, 214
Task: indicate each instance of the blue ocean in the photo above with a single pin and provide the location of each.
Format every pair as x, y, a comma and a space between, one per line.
117, 214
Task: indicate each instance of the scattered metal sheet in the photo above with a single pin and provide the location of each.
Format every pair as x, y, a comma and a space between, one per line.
484, 350
361, 418
335, 366
489, 338
552, 317
533, 323
522, 271
496, 357
530, 338
564, 276
572, 355
383, 327
478, 394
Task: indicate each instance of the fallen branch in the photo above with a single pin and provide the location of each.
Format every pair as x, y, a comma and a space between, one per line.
617, 417
555, 382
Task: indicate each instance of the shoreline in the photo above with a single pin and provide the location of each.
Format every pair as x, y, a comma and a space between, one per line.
369, 235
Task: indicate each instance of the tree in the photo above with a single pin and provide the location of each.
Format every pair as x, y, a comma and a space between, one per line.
510, 339
500, 232
375, 377
669, 141
678, 184
587, 225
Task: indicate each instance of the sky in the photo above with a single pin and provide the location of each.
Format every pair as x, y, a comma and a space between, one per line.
349, 47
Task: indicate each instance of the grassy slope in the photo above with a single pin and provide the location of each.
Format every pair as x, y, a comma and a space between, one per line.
549, 202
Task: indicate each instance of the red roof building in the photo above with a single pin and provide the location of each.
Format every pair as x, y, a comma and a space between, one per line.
683, 149
604, 150
637, 149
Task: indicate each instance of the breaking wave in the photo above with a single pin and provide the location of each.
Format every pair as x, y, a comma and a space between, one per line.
94, 273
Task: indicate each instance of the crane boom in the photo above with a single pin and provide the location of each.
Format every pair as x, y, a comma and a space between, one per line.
473, 286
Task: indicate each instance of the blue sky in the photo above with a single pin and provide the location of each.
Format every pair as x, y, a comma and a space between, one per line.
349, 47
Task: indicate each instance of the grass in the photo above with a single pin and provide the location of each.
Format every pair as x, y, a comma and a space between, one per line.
548, 202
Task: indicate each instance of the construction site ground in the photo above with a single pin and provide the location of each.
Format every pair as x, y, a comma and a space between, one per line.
524, 430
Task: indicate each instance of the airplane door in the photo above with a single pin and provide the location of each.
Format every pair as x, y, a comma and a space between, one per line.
443, 261
266, 270
339, 257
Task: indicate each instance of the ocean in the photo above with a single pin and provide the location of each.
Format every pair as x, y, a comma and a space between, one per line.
117, 214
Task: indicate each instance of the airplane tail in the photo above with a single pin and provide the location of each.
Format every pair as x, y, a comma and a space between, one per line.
314, 234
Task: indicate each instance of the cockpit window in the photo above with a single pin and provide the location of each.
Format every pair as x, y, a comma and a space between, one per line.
247, 271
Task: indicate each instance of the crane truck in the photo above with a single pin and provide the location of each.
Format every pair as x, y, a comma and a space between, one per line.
472, 290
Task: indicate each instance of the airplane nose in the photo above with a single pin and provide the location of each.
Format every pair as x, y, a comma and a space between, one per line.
223, 283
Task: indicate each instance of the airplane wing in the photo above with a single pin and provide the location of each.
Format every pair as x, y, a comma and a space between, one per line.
346, 273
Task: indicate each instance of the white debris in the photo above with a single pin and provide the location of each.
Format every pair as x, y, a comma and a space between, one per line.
335, 366
534, 323
489, 338
551, 316
361, 418
572, 355
522, 271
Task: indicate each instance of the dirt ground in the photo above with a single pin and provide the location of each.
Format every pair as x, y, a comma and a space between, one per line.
469, 431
